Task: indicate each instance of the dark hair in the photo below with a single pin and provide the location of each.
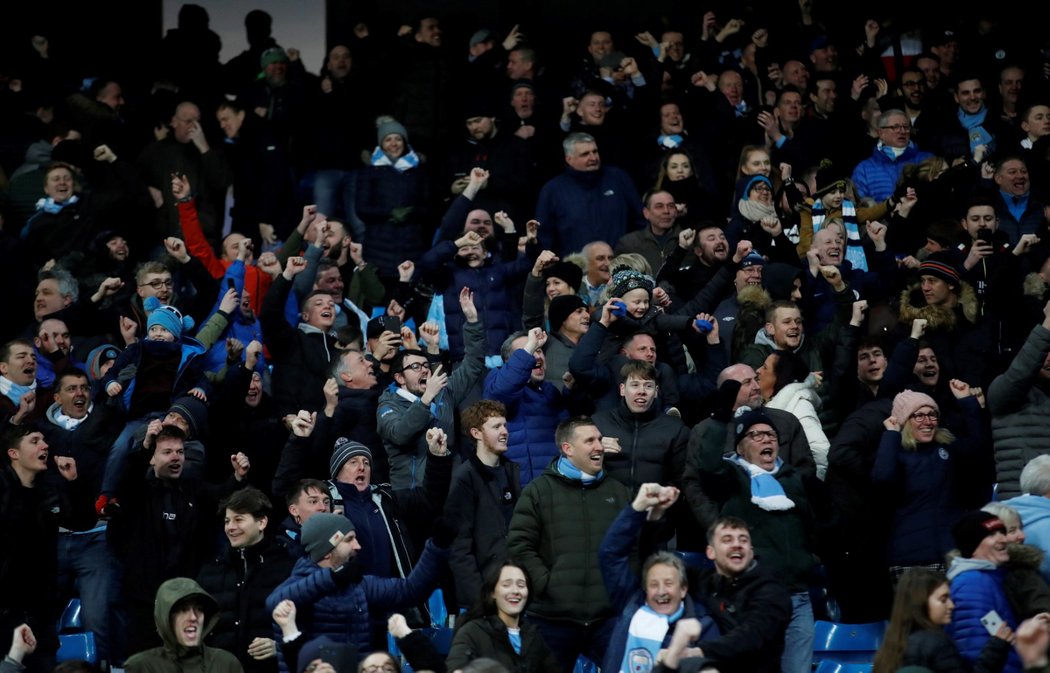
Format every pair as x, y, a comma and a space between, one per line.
13, 435
909, 614
397, 364
788, 368
639, 369
248, 500
661, 177
169, 432
485, 606
302, 486
5, 350
871, 341
68, 372
647, 197
566, 430
731, 522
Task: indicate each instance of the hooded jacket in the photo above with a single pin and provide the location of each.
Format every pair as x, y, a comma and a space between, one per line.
964, 346
1035, 515
1020, 404
802, 401
976, 588
174, 657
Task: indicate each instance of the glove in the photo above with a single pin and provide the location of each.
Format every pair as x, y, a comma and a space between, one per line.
128, 373
443, 532
725, 400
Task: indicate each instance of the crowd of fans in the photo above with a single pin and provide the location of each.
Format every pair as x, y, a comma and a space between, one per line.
653, 357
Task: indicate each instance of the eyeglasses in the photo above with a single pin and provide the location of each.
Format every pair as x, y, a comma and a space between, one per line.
922, 417
416, 366
758, 435
761, 187
157, 284
912, 85
897, 128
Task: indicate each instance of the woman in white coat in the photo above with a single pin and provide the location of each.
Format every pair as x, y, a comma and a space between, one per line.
787, 384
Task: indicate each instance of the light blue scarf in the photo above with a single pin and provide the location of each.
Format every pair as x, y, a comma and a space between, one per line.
973, 123
854, 248
567, 469
14, 391
766, 491
671, 142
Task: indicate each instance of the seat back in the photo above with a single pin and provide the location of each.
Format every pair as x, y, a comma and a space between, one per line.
70, 620
847, 643
828, 666
77, 647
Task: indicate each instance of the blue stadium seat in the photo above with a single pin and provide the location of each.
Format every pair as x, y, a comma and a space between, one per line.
695, 559
74, 643
70, 620
828, 666
438, 611
585, 665
847, 643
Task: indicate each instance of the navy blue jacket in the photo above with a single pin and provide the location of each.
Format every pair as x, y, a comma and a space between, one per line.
579, 207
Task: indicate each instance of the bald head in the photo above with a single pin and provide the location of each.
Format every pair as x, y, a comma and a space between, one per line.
750, 394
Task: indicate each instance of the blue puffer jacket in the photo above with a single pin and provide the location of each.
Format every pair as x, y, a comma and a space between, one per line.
977, 587
877, 176
493, 284
533, 413
625, 587
343, 613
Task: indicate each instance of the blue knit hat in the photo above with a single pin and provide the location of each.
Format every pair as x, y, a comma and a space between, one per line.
754, 181
168, 317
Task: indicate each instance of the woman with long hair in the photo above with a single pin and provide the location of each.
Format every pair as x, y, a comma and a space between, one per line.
494, 627
915, 635
679, 178
787, 384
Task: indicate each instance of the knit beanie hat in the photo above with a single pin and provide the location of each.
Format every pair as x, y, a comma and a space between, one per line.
940, 265
571, 273
388, 125
344, 450
625, 279
752, 259
974, 527
828, 178
750, 418
561, 308
168, 317
755, 181
316, 647
322, 532
193, 411
97, 359
908, 402
273, 55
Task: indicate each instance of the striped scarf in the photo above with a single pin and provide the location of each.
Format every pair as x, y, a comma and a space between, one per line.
854, 248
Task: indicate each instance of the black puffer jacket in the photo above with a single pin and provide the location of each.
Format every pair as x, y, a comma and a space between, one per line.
933, 649
652, 445
487, 637
240, 580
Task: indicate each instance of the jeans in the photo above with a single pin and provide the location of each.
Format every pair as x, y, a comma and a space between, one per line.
87, 568
334, 194
798, 639
568, 640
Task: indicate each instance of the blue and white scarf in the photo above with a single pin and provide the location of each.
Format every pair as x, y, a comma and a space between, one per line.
406, 161
14, 391
49, 205
672, 141
645, 636
766, 491
854, 248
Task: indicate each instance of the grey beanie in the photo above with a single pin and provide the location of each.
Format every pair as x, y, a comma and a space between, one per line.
387, 125
322, 532
344, 450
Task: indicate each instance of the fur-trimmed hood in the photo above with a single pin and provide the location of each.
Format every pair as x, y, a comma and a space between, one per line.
939, 318
1025, 556
1034, 286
